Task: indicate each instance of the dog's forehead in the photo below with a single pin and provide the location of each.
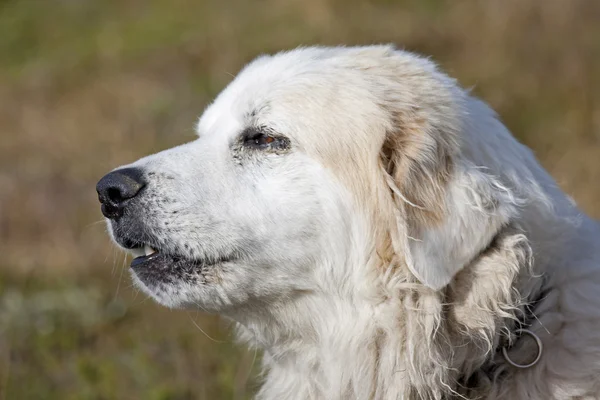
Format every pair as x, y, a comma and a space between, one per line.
306, 90
262, 94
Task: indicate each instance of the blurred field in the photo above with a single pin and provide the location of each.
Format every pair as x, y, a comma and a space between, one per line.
88, 85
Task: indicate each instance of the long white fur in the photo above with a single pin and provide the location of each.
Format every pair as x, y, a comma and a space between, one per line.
382, 276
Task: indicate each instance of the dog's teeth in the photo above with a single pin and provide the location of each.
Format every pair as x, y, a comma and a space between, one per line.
148, 250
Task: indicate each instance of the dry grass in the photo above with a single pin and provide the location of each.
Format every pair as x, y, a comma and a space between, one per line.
86, 86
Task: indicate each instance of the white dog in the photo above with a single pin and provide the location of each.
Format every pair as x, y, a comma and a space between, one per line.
375, 230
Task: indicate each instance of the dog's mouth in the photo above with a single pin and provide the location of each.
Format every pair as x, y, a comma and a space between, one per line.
158, 262
150, 260
149, 254
152, 264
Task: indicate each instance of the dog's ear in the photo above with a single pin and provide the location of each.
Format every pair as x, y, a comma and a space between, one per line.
447, 210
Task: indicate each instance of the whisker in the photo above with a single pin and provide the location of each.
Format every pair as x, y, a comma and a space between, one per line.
121, 275
201, 330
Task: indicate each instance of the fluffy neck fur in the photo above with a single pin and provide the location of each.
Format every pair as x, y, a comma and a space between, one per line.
399, 341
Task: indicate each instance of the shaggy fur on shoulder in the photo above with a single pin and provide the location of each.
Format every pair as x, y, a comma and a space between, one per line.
372, 228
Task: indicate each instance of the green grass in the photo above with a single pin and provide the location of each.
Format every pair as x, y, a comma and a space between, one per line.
72, 339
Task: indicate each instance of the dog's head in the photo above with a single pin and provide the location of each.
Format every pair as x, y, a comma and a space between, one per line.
311, 167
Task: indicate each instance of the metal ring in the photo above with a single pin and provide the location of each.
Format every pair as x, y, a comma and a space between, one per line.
538, 341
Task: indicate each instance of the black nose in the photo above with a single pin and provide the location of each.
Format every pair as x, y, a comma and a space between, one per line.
116, 188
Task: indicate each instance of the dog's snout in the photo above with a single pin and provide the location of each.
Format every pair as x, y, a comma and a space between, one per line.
116, 188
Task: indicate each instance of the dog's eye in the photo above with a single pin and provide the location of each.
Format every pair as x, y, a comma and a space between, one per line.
264, 139
259, 140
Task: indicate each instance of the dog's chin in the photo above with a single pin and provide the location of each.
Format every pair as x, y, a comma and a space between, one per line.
171, 281
158, 268
168, 295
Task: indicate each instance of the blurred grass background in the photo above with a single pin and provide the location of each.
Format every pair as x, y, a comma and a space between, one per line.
88, 85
